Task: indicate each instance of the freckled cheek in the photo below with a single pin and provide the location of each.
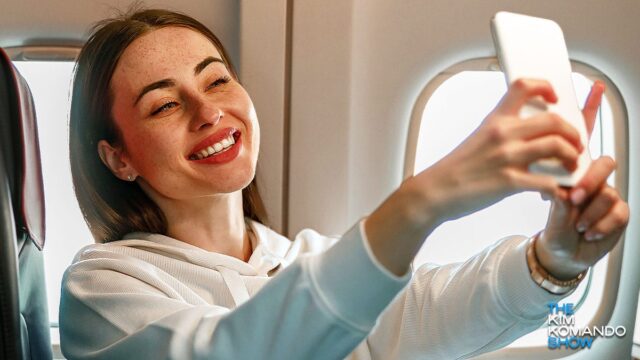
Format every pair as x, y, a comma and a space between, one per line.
152, 159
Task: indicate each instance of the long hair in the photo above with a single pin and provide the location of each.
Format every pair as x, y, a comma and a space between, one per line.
112, 207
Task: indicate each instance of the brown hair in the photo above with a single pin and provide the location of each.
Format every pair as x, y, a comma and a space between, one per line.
112, 207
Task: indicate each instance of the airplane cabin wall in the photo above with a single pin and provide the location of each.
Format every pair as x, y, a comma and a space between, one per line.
264, 72
33, 22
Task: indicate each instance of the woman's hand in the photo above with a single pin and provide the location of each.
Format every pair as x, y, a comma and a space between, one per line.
585, 223
489, 165
493, 162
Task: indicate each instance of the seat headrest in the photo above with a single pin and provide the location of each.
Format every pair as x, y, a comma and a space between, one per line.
24, 166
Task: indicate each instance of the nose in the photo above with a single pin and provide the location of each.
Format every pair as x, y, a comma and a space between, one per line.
206, 114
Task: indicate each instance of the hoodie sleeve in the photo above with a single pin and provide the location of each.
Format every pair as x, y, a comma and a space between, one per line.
112, 308
462, 310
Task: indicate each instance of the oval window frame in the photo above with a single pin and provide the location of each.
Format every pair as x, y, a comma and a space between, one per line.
621, 182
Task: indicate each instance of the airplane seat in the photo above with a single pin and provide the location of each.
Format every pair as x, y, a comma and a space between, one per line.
24, 319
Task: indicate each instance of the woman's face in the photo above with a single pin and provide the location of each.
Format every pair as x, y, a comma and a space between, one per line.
175, 102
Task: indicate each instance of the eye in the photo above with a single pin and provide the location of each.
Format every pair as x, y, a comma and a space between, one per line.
165, 107
220, 81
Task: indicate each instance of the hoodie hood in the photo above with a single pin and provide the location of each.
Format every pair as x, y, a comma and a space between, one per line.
270, 250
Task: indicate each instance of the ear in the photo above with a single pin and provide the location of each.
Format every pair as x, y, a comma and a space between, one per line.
114, 159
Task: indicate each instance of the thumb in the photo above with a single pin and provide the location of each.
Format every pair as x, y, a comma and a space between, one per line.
563, 215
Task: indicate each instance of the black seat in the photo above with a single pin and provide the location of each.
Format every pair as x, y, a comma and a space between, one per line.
24, 319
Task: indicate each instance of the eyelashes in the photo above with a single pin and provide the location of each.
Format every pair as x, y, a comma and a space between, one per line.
220, 81
166, 106
171, 104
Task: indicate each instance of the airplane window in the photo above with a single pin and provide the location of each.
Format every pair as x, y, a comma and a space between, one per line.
444, 125
50, 83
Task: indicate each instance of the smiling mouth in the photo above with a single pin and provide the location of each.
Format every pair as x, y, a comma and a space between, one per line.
218, 148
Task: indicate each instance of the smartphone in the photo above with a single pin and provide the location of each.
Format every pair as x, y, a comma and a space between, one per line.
531, 47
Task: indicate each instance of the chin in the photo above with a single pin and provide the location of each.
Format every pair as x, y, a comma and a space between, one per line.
237, 181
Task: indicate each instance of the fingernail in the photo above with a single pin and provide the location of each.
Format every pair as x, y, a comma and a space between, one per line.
582, 227
593, 236
577, 196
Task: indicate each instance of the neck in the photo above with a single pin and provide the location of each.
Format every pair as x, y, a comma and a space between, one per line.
213, 223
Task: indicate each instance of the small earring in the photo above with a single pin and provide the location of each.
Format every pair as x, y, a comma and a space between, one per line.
129, 177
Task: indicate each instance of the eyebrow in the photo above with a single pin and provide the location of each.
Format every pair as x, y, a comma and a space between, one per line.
203, 64
164, 83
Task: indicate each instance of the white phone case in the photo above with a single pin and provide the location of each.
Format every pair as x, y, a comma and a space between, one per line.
531, 47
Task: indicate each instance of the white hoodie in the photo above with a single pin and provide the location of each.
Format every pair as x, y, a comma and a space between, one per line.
150, 296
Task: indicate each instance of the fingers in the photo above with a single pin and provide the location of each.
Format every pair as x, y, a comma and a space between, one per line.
521, 180
521, 91
552, 146
547, 124
597, 208
615, 220
593, 180
591, 105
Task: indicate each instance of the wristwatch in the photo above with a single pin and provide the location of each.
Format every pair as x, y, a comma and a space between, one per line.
545, 280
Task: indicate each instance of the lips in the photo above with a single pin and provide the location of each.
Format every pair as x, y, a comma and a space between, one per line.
214, 138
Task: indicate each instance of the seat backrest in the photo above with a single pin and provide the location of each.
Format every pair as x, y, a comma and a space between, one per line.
24, 322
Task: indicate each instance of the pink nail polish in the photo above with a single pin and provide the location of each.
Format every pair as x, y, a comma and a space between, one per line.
577, 196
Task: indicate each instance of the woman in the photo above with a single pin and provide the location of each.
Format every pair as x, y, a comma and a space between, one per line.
164, 146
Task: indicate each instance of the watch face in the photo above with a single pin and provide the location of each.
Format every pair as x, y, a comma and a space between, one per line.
555, 289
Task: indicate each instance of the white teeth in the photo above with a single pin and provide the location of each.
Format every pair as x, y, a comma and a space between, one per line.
215, 148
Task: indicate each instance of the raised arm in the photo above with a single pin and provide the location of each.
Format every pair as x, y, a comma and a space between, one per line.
461, 310
465, 309
489, 165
